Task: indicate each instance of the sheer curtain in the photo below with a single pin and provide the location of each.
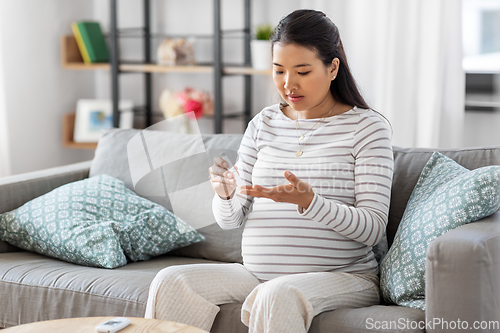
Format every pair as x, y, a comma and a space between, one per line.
4, 146
407, 58
4, 137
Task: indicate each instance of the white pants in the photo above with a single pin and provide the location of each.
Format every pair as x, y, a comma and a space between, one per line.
190, 294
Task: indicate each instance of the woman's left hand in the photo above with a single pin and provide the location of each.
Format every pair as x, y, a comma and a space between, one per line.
297, 192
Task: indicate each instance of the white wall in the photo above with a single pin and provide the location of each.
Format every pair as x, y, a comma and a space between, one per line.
4, 137
37, 90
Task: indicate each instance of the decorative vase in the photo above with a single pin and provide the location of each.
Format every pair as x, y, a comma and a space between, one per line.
261, 54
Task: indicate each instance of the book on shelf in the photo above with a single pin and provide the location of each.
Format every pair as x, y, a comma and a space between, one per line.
79, 42
91, 41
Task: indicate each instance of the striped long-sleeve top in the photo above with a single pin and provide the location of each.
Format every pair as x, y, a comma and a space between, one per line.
348, 160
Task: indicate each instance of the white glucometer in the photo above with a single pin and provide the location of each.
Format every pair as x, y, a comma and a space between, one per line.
113, 325
239, 181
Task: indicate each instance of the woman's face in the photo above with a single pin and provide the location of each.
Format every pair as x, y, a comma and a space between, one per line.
301, 77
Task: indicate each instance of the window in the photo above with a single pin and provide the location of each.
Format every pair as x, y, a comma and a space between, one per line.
481, 62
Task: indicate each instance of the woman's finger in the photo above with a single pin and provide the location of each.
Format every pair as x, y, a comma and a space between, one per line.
222, 180
297, 182
256, 191
217, 170
219, 161
292, 178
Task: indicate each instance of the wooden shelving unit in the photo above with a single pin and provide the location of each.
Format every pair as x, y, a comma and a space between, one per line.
71, 59
245, 71
151, 68
68, 130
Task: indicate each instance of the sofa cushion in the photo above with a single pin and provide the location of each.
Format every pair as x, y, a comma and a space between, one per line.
97, 222
172, 169
446, 196
376, 318
372, 319
35, 288
408, 164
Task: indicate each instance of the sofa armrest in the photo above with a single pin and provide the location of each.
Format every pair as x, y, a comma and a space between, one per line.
19, 189
463, 278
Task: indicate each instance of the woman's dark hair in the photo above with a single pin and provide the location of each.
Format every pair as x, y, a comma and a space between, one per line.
314, 30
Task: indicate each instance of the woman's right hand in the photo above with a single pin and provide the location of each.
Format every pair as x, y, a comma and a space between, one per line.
222, 180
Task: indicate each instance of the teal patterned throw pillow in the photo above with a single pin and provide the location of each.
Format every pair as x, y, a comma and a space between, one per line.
446, 196
95, 222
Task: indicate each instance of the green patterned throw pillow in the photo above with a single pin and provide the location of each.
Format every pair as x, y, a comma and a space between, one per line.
96, 222
446, 196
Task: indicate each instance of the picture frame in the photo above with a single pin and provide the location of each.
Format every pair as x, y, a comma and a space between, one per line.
93, 116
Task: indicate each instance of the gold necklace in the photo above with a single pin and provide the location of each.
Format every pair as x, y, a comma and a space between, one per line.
299, 152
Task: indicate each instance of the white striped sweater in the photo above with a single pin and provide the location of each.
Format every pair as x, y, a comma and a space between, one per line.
348, 161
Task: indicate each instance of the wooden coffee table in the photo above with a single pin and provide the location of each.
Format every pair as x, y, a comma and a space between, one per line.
88, 324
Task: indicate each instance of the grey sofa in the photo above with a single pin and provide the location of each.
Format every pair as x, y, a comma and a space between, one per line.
463, 265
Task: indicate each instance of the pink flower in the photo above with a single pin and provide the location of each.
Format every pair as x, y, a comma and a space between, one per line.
194, 106
182, 98
192, 100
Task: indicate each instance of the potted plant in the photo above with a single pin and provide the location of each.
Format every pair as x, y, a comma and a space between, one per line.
261, 47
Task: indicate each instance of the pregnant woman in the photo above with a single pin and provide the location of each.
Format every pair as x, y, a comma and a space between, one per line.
317, 172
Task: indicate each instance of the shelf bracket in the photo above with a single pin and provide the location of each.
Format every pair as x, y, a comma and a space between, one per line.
114, 63
148, 90
217, 68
